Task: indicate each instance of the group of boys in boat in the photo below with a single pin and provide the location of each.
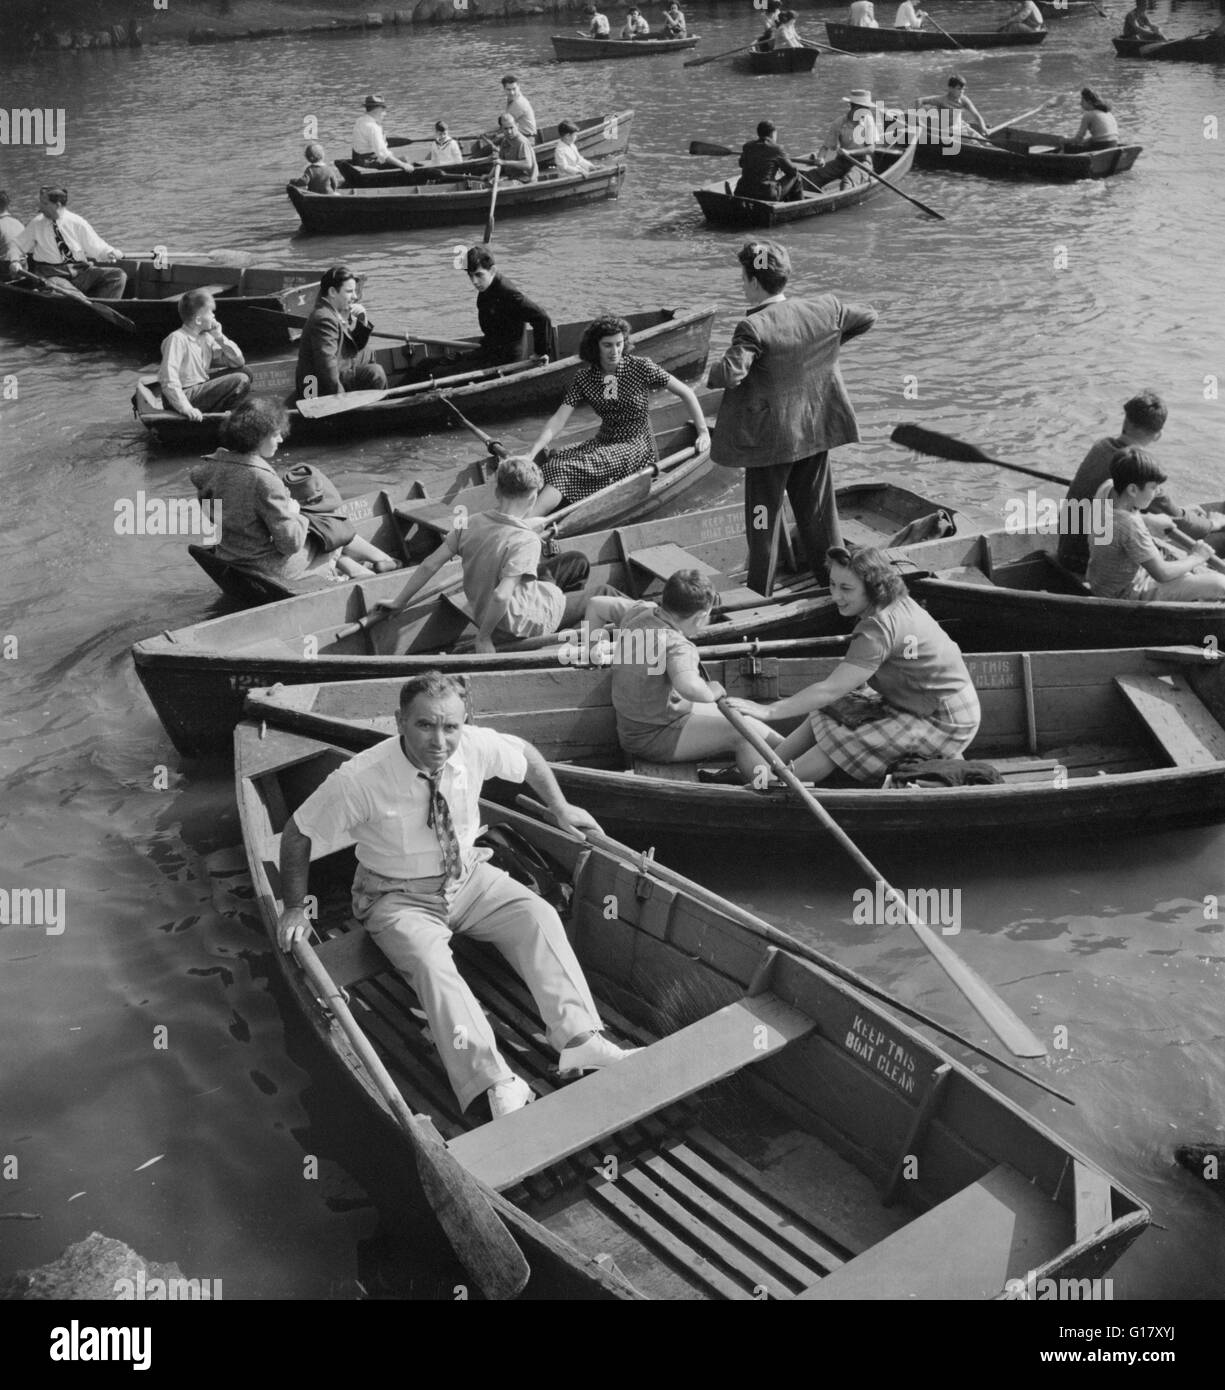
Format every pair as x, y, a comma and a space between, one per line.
1025, 15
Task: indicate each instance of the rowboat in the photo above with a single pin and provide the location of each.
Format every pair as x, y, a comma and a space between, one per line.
677, 340
1085, 741
452, 204
249, 301
650, 1180
1008, 586
1016, 153
413, 527
856, 40
577, 49
770, 61
196, 676
1195, 48
598, 137
721, 206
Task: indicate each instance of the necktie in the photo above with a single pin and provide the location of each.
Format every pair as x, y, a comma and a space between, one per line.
65, 250
439, 820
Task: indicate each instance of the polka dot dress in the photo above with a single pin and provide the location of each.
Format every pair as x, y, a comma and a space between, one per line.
624, 442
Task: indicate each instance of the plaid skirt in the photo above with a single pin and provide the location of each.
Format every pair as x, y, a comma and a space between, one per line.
868, 752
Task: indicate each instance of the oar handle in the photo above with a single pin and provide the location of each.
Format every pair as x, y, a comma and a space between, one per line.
1189, 543
990, 1007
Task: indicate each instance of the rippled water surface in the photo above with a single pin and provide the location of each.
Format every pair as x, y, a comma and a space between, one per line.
1025, 320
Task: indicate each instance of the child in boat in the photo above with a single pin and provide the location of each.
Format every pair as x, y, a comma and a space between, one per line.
1124, 562
922, 703
318, 176
187, 377
665, 710
513, 592
636, 26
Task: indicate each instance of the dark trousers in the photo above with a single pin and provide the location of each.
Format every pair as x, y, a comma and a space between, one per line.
363, 376
568, 571
221, 392
809, 484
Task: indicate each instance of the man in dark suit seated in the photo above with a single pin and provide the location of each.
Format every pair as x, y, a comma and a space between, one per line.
784, 407
769, 174
333, 356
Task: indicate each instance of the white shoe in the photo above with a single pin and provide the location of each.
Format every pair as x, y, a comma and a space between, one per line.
505, 1097
595, 1053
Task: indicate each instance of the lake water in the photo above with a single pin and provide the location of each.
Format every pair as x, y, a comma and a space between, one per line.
1021, 323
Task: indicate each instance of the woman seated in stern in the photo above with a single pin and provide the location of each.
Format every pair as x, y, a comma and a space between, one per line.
618, 388
1098, 128
263, 529
922, 703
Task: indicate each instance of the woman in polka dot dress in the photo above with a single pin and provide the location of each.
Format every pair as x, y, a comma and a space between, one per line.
618, 388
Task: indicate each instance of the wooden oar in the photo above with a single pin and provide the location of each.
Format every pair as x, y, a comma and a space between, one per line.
947, 35
760, 927
58, 285
705, 147
944, 446
485, 1247
396, 142
714, 57
499, 451
493, 201
828, 48
235, 259
867, 168
321, 407
990, 1007
1025, 115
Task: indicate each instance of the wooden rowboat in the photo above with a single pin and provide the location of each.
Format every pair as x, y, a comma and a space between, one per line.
722, 207
771, 61
577, 49
1195, 48
677, 340
1127, 739
1016, 153
1007, 588
413, 527
249, 302
649, 1180
196, 677
598, 138
856, 40
459, 203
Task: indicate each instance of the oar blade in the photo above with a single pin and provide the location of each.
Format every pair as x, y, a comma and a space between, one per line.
705, 147
942, 446
321, 407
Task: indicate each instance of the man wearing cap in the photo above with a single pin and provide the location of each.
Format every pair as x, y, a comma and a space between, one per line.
63, 246
852, 137
908, 17
333, 357
784, 407
369, 143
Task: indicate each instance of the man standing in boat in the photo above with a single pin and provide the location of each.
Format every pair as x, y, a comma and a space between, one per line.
369, 143
411, 806
784, 408
63, 246
333, 356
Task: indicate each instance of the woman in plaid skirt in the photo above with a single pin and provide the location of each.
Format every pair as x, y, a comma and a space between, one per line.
922, 703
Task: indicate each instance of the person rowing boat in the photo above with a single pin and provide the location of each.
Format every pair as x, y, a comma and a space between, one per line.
63, 246
1137, 25
967, 116
369, 143
1026, 17
768, 173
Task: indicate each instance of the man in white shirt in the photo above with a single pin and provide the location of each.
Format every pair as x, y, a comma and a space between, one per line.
520, 108
908, 17
188, 354
863, 15
566, 158
411, 807
63, 246
369, 143
853, 137
11, 259
600, 28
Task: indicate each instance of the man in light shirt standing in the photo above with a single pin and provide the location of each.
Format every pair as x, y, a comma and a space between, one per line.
188, 354
63, 246
908, 17
520, 108
369, 143
411, 805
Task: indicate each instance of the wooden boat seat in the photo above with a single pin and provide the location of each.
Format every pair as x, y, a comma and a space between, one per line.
967, 574
662, 562
966, 1247
214, 290
575, 1117
1176, 717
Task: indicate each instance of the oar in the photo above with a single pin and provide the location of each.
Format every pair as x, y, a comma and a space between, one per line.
867, 168
828, 48
705, 147
493, 201
299, 321
760, 927
947, 35
714, 57
396, 142
224, 256
58, 285
485, 1247
321, 407
990, 1007
499, 451
1025, 115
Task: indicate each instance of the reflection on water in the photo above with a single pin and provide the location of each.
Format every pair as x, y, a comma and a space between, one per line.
1020, 323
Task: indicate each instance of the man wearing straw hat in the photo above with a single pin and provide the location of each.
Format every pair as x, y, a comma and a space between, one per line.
853, 136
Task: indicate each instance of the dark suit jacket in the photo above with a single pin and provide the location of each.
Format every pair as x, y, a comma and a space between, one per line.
764, 163
784, 397
504, 311
327, 346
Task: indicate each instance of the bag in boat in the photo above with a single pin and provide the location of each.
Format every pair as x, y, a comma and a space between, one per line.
943, 772
321, 504
518, 857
